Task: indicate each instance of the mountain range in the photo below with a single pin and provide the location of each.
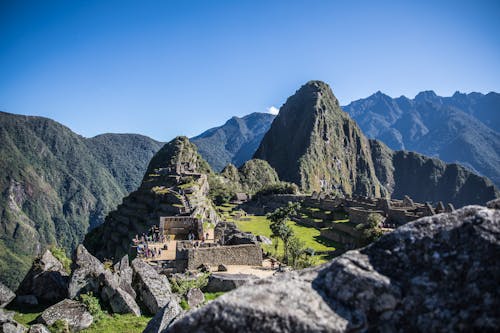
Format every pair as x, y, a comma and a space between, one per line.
55, 185
462, 128
234, 142
316, 145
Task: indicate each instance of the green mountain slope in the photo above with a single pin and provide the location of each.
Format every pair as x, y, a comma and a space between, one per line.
234, 142
53, 187
316, 145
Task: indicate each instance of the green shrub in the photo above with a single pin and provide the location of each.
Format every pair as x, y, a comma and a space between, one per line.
370, 230
59, 326
93, 306
60, 254
277, 188
183, 285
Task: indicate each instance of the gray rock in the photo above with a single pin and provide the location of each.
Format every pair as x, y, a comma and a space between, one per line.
493, 204
6, 295
152, 288
46, 280
85, 275
436, 274
264, 240
227, 282
118, 299
125, 274
89, 275
205, 268
241, 238
26, 300
8, 324
38, 328
195, 297
164, 318
72, 312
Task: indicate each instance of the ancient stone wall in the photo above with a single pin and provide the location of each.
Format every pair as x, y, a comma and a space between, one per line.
247, 254
359, 215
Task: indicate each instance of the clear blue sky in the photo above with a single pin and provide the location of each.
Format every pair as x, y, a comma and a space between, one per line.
163, 68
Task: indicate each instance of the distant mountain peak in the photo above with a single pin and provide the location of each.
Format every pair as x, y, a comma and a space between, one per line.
426, 95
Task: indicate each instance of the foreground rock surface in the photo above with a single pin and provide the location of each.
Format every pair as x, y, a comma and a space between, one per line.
47, 280
227, 282
152, 288
6, 295
8, 324
438, 273
72, 312
164, 318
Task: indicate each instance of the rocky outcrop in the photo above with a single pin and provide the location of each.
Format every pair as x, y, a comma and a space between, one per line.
72, 312
227, 282
152, 288
164, 318
47, 280
38, 328
434, 274
8, 324
195, 297
6, 295
89, 275
125, 274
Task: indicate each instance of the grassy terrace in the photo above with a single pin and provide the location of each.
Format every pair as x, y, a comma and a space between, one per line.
259, 225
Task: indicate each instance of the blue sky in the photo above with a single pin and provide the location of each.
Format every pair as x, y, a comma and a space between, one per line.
164, 68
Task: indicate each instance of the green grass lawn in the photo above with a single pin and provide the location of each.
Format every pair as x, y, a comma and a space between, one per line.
259, 225
119, 323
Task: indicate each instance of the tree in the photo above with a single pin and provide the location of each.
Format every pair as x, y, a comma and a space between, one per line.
279, 227
370, 230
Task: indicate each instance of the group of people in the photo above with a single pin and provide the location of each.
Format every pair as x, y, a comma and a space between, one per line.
192, 238
143, 243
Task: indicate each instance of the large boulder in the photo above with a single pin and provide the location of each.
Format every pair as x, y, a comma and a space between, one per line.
227, 282
118, 299
195, 297
164, 318
241, 238
152, 288
8, 324
47, 280
89, 275
437, 274
125, 274
38, 328
6, 295
85, 276
72, 312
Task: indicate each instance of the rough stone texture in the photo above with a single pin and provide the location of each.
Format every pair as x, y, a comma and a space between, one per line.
38, 328
248, 254
86, 270
241, 238
46, 280
8, 324
222, 268
437, 274
227, 282
73, 312
152, 288
125, 273
6, 295
119, 300
195, 297
89, 275
493, 204
164, 318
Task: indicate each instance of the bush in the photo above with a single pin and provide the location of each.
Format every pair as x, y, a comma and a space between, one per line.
60, 254
92, 304
278, 188
183, 285
370, 230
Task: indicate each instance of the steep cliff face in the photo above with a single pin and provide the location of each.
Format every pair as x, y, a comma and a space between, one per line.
175, 183
314, 144
428, 179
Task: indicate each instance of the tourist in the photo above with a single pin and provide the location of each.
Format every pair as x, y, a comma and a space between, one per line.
206, 236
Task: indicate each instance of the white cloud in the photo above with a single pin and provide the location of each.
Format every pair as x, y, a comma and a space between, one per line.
273, 110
